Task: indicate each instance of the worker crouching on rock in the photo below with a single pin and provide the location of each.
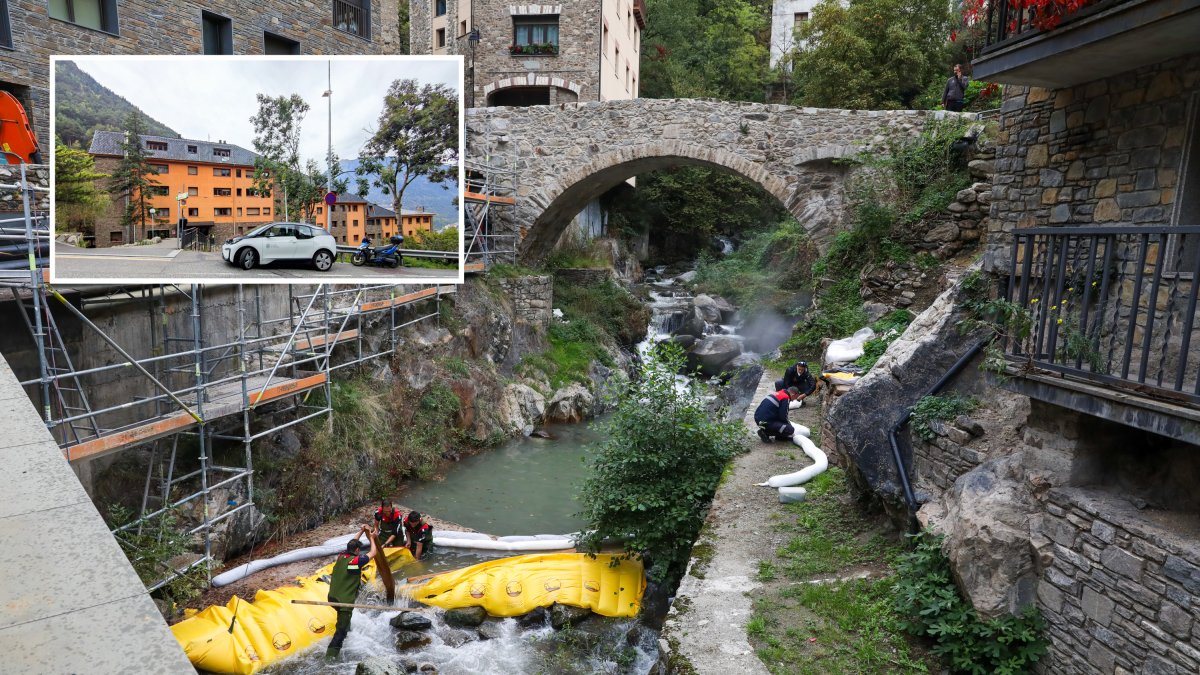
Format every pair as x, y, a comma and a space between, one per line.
772, 416
344, 584
797, 376
419, 534
387, 520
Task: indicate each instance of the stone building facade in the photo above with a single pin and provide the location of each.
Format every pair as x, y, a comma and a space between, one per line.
187, 27
536, 54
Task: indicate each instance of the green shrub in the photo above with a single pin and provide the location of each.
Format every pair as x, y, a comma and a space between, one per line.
930, 605
939, 408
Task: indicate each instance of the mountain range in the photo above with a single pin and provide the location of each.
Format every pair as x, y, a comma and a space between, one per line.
83, 105
421, 193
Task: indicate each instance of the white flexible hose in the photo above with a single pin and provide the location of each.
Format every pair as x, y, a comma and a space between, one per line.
785, 481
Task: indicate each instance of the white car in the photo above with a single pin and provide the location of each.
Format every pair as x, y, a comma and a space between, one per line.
281, 241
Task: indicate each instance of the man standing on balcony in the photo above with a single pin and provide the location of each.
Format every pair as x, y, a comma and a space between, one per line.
956, 90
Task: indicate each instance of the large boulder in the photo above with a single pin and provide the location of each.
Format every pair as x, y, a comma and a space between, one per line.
707, 309
862, 417
465, 617
712, 353
521, 407
409, 639
562, 616
411, 621
987, 523
744, 372
692, 325
379, 665
570, 404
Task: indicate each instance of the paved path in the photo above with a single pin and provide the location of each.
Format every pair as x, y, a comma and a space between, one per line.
707, 623
159, 263
69, 600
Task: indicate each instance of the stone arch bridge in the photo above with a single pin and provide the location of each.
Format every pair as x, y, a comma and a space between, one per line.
566, 155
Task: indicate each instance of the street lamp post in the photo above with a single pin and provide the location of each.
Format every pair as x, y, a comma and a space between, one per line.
329, 153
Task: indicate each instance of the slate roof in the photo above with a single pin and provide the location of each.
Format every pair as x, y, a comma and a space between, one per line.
377, 211
109, 143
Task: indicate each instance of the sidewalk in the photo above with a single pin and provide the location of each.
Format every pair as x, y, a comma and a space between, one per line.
706, 626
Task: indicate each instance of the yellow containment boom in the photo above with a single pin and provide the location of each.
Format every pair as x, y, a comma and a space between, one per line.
514, 586
269, 629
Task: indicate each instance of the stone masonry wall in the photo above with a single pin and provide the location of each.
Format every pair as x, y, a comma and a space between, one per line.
150, 27
532, 298
38, 176
1121, 590
1103, 152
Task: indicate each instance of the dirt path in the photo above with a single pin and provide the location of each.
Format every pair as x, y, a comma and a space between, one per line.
345, 524
707, 625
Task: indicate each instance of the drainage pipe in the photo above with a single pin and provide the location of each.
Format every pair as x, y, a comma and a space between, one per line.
909, 497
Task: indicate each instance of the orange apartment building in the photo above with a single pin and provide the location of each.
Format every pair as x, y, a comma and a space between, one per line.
349, 219
417, 221
217, 178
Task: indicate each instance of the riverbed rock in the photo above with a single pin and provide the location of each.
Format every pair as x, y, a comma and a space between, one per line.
379, 665
408, 639
712, 353
684, 341
491, 630
706, 308
687, 277
567, 615
521, 408
427, 669
533, 619
411, 621
465, 617
570, 404
692, 325
458, 638
743, 374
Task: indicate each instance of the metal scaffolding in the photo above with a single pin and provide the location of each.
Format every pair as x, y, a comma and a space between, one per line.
205, 379
489, 188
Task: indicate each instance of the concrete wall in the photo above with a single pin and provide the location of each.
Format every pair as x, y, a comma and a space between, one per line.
149, 27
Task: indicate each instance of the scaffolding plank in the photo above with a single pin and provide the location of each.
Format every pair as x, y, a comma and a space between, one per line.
303, 344
123, 439
472, 268
405, 299
495, 199
288, 387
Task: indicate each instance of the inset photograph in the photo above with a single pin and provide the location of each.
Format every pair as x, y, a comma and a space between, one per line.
256, 169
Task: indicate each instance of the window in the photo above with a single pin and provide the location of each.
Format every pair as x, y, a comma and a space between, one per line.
192, 170
161, 168
239, 173
355, 223
462, 28
96, 14
239, 212
239, 192
5, 28
276, 45
116, 237
159, 191
217, 38
353, 17
626, 77
439, 38
535, 34
798, 20
193, 213
320, 210
222, 172
222, 192
158, 146
192, 149
616, 61
439, 7
604, 40
193, 192
222, 211
222, 152
266, 211
252, 211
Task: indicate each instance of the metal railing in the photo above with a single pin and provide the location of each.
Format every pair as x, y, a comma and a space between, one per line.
349, 17
1006, 24
1109, 305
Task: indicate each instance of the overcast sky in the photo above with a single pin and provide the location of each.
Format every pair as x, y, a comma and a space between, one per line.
213, 98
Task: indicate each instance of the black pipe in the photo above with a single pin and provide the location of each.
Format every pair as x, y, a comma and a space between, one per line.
910, 498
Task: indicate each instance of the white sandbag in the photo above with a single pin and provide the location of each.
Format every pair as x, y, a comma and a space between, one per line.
792, 495
848, 349
798, 403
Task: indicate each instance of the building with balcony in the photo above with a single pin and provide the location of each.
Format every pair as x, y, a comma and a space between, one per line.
1094, 239
536, 54
218, 179
32, 30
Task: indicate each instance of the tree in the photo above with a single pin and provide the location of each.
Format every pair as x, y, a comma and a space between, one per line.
432, 240
77, 201
871, 54
277, 142
417, 136
655, 473
133, 178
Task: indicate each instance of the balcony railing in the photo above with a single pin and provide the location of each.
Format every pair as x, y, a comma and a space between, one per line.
1007, 24
1114, 306
350, 17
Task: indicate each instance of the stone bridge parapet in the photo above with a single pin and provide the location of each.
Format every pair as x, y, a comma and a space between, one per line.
566, 155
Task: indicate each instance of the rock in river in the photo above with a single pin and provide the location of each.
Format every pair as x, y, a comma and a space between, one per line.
379, 665
407, 639
466, 616
567, 615
411, 621
712, 353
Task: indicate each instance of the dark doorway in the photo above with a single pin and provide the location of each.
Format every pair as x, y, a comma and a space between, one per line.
520, 96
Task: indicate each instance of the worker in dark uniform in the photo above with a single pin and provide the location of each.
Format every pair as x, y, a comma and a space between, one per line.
344, 583
387, 523
771, 415
419, 534
797, 376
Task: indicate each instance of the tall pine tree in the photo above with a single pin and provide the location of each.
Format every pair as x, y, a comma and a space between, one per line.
133, 178
77, 201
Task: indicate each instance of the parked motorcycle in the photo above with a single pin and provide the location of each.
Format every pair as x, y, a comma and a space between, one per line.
388, 256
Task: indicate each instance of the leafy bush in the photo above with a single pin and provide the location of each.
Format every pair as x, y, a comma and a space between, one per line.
655, 473
764, 271
939, 408
609, 308
931, 606
150, 548
837, 312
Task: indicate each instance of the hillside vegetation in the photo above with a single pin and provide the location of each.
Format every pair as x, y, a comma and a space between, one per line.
83, 105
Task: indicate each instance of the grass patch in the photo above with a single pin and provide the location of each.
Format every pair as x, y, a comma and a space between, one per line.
828, 534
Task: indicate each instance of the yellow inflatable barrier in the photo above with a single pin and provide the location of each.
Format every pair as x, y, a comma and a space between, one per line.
269, 629
514, 586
